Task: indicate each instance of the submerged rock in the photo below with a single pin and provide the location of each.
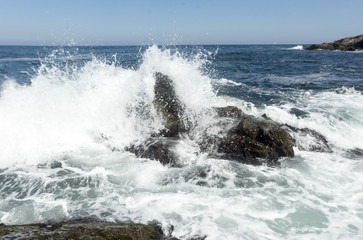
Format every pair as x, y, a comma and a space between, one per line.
355, 153
81, 229
52, 165
307, 139
56, 164
344, 44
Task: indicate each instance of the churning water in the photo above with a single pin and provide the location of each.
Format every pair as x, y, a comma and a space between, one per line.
63, 112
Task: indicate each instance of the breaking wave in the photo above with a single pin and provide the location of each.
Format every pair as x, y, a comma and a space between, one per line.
57, 160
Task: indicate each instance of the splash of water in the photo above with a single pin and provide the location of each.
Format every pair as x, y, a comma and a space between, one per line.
64, 110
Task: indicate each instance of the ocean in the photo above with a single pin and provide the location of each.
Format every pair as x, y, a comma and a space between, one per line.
67, 114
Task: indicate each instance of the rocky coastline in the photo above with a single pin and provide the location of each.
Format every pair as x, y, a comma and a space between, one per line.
344, 44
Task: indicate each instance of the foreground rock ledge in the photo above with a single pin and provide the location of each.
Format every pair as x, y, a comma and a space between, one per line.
344, 44
81, 230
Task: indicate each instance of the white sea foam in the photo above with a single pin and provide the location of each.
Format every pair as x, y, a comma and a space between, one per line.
336, 114
18, 59
76, 115
297, 47
65, 110
229, 82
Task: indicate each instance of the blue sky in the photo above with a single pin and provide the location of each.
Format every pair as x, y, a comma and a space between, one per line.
124, 22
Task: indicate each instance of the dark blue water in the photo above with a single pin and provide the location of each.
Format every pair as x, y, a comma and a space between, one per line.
271, 69
264, 70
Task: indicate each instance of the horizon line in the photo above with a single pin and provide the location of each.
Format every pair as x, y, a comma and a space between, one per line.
143, 45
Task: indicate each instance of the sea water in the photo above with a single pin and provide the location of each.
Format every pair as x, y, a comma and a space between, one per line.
67, 113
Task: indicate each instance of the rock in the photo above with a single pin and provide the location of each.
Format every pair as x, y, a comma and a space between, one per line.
250, 140
255, 138
355, 153
170, 109
55, 164
345, 44
228, 112
52, 165
228, 117
158, 227
160, 149
306, 139
81, 229
198, 238
168, 105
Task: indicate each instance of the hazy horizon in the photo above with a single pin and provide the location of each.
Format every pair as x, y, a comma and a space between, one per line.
146, 45
162, 22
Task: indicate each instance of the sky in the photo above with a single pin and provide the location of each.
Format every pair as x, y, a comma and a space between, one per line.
135, 22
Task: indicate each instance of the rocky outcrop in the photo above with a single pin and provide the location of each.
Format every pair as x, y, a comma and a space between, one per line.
168, 105
345, 44
160, 149
257, 138
82, 229
252, 139
229, 112
244, 138
306, 139
169, 108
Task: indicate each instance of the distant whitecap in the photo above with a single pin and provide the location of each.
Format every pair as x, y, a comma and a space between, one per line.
297, 47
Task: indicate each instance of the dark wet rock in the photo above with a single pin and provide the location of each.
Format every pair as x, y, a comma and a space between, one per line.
55, 164
264, 116
355, 153
345, 44
229, 112
307, 139
254, 139
156, 225
52, 165
169, 230
168, 105
157, 149
198, 238
250, 140
81, 229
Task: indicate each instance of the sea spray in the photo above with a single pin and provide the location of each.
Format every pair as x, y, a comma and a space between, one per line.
69, 108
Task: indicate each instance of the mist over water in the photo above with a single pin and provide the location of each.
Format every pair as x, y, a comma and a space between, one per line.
64, 111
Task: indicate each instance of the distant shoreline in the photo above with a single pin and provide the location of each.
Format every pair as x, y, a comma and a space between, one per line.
345, 44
